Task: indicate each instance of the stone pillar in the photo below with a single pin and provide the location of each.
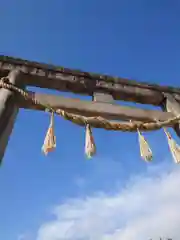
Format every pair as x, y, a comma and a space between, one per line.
8, 109
171, 105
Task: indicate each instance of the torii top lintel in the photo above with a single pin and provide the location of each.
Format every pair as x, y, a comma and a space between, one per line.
76, 81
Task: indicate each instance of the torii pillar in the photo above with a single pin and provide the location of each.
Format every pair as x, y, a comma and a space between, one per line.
8, 109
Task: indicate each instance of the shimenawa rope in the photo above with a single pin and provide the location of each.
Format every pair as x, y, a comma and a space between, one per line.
99, 122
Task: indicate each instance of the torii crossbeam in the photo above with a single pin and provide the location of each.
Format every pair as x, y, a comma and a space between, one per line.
103, 89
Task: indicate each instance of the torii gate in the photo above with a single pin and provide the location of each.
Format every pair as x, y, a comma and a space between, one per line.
104, 90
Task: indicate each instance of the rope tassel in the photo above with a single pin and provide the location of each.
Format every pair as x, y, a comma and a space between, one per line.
50, 139
90, 147
145, 150
174, 147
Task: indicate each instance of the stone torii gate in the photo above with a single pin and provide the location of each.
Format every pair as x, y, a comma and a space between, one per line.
105, 90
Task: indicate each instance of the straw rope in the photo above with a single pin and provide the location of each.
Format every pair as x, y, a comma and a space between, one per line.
97, 122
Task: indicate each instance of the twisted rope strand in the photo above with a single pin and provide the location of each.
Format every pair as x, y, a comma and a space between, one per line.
97, 122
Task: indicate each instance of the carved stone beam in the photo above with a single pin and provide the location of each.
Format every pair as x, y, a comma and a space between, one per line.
92, 108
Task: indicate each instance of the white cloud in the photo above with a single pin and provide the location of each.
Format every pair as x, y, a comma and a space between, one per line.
148, 207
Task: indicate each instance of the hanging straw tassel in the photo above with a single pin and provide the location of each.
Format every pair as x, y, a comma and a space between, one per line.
50, 139
145, 150
90, 147
174, 147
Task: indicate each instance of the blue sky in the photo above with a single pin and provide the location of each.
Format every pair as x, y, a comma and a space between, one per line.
135, 39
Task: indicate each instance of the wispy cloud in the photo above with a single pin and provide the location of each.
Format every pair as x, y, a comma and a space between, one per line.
148, 207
